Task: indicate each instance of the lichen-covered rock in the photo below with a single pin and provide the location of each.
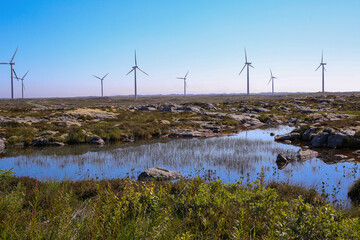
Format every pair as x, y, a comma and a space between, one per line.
158, 173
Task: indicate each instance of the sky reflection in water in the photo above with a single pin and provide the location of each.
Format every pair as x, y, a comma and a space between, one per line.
232, 157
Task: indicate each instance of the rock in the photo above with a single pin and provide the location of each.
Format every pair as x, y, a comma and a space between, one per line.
49, 133
287, 141
288, 136
191, 109
282, 160
57, 144
306, 154
260, 109
2, 146
147, 108
40, 142
339, 157
320, 140
357, 152
335, 140
166, 122
96, 140
348, 132
308, 134
158, 173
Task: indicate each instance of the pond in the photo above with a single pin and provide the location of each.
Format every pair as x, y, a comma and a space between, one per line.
228, 158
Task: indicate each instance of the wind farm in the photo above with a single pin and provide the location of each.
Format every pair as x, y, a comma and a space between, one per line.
180, 120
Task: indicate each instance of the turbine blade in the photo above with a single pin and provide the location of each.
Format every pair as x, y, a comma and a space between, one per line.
96, 77
251, 65
142, 71
14, 55
322, 56
271, 72
15, 74
269, 81
105, 76
245, 55
180, 78
242, 69
318, 67
25, 74
186, 74
130, 72
324, 68
135, 59
4, 63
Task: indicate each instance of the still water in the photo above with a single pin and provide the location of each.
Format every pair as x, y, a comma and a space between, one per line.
229, 158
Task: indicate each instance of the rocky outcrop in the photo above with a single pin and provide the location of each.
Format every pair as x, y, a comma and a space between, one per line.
2, 146
288, 136
158, 173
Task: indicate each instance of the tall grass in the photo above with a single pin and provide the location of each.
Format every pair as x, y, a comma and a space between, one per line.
187, 209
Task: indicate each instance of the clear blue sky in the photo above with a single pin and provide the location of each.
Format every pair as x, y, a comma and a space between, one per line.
63, 43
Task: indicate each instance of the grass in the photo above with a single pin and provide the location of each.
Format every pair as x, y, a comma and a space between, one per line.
187, 209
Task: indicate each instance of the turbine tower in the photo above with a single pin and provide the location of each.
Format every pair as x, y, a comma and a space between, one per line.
22, 82
134, 69
184, 78
102, 86
272, 80
322, 64
11, 63
247, 64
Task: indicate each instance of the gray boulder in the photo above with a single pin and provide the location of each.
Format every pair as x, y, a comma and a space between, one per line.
306, 154
320, 140
2, 146
282, 160
335, 140
40, 142
288, 136
307, 135
158, 173
96, 140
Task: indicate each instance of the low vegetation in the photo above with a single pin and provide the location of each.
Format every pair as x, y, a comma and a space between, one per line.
187, 209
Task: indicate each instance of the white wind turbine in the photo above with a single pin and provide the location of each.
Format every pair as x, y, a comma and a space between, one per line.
247, 64
134, 69
185, 85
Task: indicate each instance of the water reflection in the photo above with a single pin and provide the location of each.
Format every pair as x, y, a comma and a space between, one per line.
231, 157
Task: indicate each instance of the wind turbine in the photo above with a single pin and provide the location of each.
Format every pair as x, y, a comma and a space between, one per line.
102, 86
22, 82
322, 64
184, 78
134, 69
11, 63
247, 64
272, 80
